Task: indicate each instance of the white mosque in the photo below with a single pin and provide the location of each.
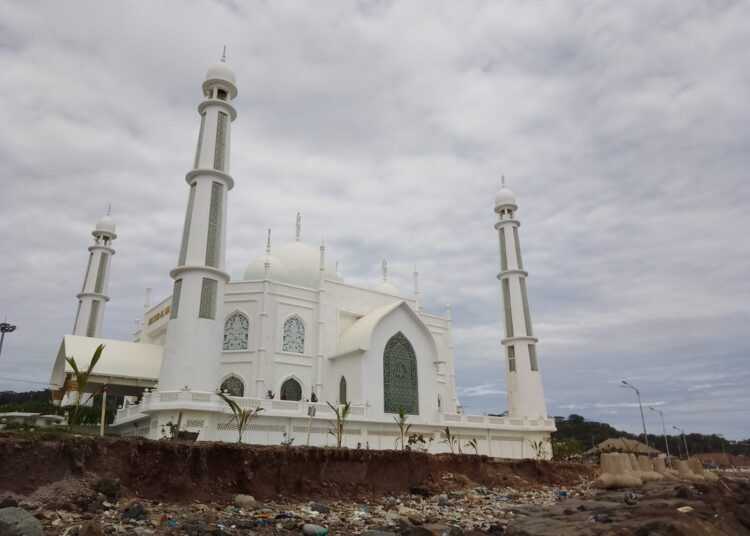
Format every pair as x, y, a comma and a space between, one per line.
293, 335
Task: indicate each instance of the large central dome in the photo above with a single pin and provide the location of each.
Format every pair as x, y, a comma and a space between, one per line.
296, 263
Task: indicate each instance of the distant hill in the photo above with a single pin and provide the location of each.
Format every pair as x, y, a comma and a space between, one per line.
591, 433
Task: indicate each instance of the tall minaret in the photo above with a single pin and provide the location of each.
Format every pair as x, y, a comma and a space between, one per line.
93, 294
525, 392
192, 348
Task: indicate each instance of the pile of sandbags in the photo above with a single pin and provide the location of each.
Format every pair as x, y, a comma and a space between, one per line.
616, 472
697, 467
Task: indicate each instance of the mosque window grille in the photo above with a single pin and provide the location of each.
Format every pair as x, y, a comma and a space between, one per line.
507, 308
526, 313
233, 386
293, 337
511, 359
208, 299
532, 358
290, 390
400, 382
200, 142
214, 225
221, 131
518, 248
194, 423
93, 318
186, 227
503, 251
101, 273
236, 330
88, 269
175, 299
342, 390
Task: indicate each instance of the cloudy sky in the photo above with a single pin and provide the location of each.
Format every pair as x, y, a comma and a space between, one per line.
622, 127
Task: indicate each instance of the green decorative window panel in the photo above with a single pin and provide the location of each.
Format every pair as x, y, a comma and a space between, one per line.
291, 390
511, 359
400, 384
236, 332
233, 386
342, 391
214, 225
532, 357
200, 142
88, 269
526, 314
507, 308
101, 273
93, 318
293, 338
221, 135
518, 248
503, 252
186, 227
176, 298
208, 299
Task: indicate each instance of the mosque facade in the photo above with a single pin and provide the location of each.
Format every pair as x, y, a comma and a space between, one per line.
292, 336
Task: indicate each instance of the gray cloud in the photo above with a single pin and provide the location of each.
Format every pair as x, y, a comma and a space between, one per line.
622, 128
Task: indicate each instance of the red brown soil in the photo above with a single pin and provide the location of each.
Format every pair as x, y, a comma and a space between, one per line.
180, 472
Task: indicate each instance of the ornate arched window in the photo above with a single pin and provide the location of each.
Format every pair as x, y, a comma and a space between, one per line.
342, 391
236, 331
233, 386
291, 390
400, 385
294, 335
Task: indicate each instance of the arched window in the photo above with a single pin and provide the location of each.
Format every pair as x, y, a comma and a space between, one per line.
291, 390
235, 332
294, 336
400, 385
233, 386
342, 391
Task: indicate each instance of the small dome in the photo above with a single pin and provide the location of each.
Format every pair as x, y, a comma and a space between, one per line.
256, 270
387, 288
300, 265
221, 74
505, 197
105, 225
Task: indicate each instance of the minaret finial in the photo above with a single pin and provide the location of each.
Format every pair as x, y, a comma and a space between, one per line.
384, 269
298, 227
224, 55
502, 180
268, 242
109, 208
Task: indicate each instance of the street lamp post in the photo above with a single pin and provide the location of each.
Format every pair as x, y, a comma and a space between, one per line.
5, 328
626, 385
664, 429
687, 453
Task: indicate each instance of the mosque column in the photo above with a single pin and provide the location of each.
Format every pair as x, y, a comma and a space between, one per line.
192, 347
93, 295
321, 325
524, 381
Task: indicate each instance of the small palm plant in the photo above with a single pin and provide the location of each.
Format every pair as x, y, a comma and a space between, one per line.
82, 379
403, 428
539, 448
472, 443
241, 415
449, 439
337, 428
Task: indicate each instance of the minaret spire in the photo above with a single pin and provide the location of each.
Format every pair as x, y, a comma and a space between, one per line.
93, 293
195, 331
525, 391
298, 228
224, 55
416, 289
384, 270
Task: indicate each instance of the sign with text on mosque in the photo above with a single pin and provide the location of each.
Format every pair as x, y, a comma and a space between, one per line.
164, 312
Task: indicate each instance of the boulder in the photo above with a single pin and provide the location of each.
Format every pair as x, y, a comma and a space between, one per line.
244, 501
16, 521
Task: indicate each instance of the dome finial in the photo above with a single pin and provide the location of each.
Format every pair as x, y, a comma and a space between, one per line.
298, 227
109, 208
224, 55
502, 181
268, 242
384, 269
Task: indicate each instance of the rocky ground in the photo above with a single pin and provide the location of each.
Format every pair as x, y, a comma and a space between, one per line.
86, 507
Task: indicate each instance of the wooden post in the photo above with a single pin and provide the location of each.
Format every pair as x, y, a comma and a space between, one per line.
311, 414
103, 419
